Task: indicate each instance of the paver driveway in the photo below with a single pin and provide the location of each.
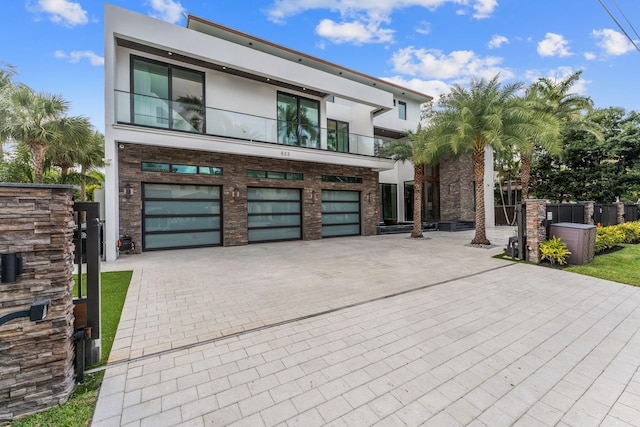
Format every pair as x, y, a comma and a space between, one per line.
382, 330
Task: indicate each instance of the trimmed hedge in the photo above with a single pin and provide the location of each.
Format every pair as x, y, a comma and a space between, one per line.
614, 235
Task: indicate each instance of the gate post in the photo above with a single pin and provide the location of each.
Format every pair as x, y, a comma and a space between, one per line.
536, 228
36, 351
92, 299
589, 208
619, 212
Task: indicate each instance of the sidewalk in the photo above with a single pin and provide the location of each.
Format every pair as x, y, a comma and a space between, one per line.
464, 340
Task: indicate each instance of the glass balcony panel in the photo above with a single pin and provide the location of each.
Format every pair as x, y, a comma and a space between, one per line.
157, 112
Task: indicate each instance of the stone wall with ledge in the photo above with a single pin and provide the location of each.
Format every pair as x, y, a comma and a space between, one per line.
36, 358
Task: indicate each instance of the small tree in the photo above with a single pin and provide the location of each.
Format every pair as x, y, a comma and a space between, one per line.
38, 120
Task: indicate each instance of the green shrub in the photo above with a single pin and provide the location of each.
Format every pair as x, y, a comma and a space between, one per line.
608, 237
554, 250
631, 231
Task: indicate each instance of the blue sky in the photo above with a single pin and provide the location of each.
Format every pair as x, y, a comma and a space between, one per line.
427, 45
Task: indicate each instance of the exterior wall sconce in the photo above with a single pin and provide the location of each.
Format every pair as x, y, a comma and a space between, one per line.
369, 197
11, 267
37, 312
106, 162
235, 193
128, 190
313, 196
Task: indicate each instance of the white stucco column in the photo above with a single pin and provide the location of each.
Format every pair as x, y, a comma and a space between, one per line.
489, 185
111, 208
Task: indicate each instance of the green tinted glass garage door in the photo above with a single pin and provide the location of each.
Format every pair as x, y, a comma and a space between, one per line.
274, 214
340, 213
180, 216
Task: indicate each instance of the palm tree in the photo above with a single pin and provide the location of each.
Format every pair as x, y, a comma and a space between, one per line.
66, 152
6, 87
468, 121
553, 98
90, 157
547, 137
39, 120
418, 151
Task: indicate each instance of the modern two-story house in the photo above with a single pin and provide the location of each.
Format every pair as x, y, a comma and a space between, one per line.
218, 138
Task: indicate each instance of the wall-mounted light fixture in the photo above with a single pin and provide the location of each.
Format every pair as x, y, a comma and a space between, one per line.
128, 190
369, 197
11, 266
37, 312
313, 196
106, 162
235, 193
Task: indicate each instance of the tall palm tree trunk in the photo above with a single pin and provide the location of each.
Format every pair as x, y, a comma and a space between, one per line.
417, 201
39, 153
525, 175
478, 174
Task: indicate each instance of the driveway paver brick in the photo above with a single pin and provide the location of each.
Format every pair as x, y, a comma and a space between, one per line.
381, 330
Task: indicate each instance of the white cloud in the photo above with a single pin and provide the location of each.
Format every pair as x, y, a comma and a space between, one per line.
484, 8
167, 10
560, 73
433, 63
282, 9
434, 88
554, 45
589, 56
75, 56
355, 32
63, 12
613, 42
497, 41
424, 28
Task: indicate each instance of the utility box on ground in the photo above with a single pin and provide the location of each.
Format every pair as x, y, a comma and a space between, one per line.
579, 238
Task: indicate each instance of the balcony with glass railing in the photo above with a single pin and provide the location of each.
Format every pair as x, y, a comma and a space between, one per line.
192, 117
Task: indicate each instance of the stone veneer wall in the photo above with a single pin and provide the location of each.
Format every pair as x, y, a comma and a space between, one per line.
619, 212
589, 210
536, 214
36, 359
234, 214
456, 190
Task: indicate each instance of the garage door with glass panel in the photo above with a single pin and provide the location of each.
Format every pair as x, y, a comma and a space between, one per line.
340, 213
181, 216
274, 214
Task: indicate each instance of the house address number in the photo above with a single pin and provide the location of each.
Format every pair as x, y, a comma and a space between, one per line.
285, 154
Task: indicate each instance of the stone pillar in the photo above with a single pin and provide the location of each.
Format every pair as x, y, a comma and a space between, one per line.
589, 210
619, 212
36, 358
536, 213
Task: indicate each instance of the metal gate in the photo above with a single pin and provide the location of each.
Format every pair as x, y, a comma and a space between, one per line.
605, 215
87, 304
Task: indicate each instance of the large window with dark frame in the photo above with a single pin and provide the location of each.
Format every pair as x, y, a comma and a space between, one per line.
337, 136
298, 121
166, 96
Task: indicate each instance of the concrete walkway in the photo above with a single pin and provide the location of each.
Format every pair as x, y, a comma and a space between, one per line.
382, 330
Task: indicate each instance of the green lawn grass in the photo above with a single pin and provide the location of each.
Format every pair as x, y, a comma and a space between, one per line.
621, 266
79, 409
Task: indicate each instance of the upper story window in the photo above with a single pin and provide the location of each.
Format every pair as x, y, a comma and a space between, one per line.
167, 96
337, 136
402, 110
298, 121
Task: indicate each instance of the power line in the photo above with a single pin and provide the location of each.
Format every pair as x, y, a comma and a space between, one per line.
620, 26
625, 18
